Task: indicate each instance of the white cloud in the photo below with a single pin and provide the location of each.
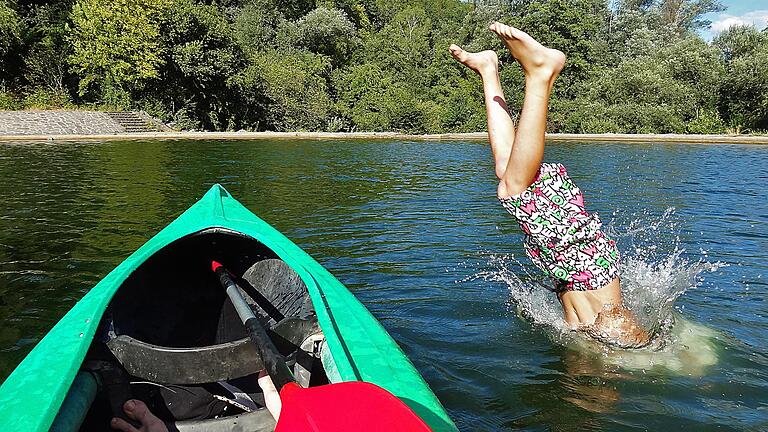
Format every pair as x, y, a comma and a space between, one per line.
758, 18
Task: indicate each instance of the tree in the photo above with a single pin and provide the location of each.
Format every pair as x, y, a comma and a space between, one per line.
673, 90
116, 44
699, 67
740, 40
574, 27
10, 37
686, 16
255, 27
744, 91
10, 27
374, 101
323, 31
294, 86
402, 47
200, 56
46, 61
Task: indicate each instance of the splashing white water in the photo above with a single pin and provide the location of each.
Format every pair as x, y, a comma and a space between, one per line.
654, 274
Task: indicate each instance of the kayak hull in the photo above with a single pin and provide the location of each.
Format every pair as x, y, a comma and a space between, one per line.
360, 347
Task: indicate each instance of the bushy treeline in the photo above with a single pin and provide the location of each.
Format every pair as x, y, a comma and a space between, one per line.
379, 65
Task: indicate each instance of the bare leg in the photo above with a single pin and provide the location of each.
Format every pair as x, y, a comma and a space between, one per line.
541, 66
501, 129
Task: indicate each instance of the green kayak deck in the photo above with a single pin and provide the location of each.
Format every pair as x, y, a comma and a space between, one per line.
361, 348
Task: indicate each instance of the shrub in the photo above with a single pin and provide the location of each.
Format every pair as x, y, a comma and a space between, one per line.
706, 122
9, 102
42, 98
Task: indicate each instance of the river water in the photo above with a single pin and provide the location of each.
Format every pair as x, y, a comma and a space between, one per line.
415, 231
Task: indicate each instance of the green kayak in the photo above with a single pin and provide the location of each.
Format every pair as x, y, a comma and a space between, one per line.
159, 328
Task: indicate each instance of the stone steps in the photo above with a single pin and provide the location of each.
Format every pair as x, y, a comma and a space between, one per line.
135, 122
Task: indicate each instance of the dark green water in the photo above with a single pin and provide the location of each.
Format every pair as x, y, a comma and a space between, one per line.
415, 231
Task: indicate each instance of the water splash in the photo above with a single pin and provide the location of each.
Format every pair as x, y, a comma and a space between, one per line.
655, 272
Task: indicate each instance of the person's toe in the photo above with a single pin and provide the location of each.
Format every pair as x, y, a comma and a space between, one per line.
122, 425
136, 410
457, 52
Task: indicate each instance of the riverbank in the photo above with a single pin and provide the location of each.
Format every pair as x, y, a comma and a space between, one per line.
476, 136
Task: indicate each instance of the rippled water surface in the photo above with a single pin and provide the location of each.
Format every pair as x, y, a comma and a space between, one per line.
415, 231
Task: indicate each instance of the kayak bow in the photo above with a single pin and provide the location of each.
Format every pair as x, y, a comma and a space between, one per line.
354, 346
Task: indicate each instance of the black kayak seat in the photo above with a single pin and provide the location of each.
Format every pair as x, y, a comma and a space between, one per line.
277, 295
199, 365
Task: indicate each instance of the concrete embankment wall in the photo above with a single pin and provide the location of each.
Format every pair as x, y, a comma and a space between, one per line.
30, 123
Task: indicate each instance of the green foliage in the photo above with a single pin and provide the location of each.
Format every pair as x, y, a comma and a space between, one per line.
373, 101
745, 91
685, 16
706, 122
356, 10
695, 65
116, 43
744, 88
46, 63
44, 98
623, 117
10, 28
9, 101
325, 31
740, 40
290, 9
294, 88
574, 27
675, 85
201, 55
402, 47
255, 28
378, 65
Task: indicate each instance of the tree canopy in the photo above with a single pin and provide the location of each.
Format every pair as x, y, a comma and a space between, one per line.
633, 66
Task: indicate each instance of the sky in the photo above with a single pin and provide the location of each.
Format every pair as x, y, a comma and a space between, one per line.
753, 12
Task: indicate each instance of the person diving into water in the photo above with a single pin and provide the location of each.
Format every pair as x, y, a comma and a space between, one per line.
561, 237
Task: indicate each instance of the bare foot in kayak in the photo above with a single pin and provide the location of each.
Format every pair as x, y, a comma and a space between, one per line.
137, 410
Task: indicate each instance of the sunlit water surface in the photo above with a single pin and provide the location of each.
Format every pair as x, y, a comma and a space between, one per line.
415, 231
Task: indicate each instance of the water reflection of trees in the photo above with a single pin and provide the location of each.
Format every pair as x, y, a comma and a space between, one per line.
41, 188
71, 212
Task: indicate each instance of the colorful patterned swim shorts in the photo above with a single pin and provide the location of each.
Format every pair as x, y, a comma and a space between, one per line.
561, 238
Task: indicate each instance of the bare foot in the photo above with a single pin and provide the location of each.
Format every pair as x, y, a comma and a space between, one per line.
136, 410
483, 62
537, 60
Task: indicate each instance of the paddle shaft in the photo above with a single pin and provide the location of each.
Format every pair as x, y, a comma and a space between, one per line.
342, 407
274, 362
